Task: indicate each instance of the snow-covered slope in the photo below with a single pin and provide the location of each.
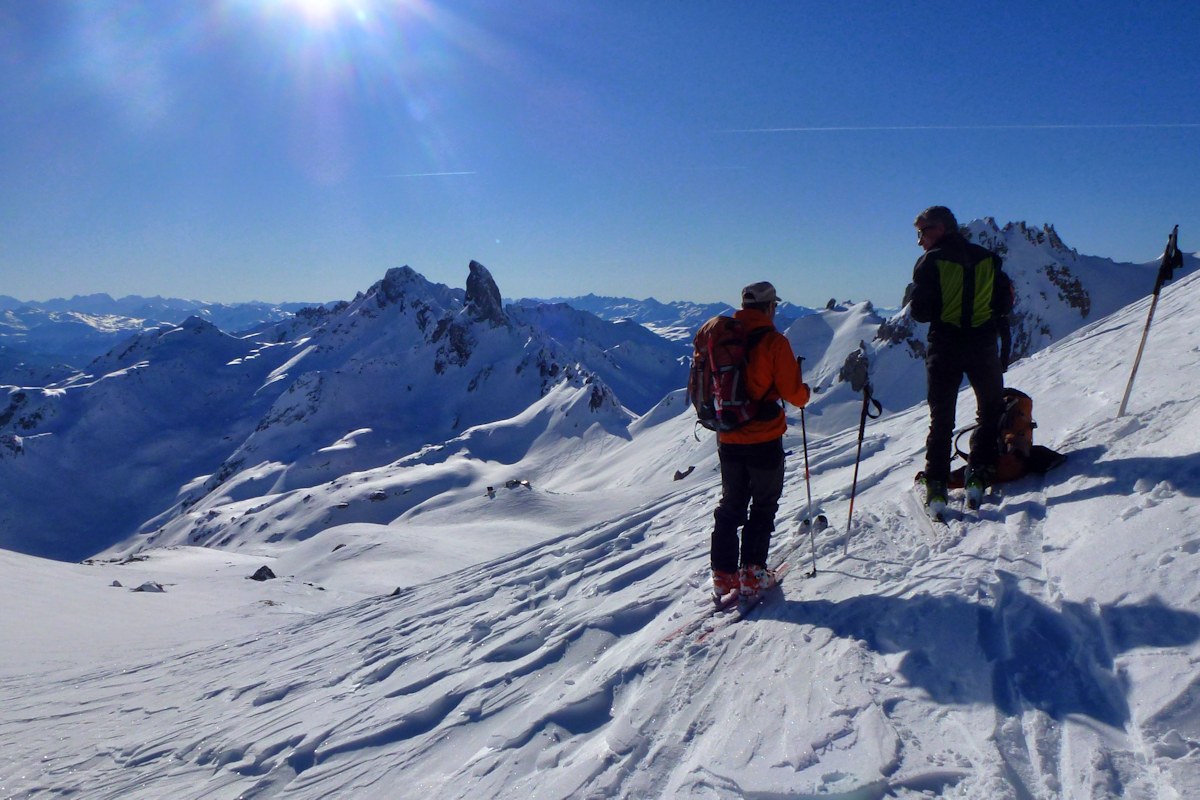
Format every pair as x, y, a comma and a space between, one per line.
638, 365
36, 339
1047, 649
82, 462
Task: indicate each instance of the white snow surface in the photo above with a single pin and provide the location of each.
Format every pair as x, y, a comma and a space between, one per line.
1044, 648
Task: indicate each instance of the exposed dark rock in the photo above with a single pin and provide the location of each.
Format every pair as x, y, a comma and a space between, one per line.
11, 445
599, 395
395, 281
263, 573
855, 369
1070, 290
902, 329
456, 350
483, 296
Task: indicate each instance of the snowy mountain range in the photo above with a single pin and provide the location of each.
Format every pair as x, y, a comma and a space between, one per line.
41, 342
413, 364
186, 434
491, 613
676, 320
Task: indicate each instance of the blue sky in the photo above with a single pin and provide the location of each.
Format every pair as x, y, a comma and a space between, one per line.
296, 149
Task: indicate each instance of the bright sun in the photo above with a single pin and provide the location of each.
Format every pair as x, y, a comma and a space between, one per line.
320, 12
324, 13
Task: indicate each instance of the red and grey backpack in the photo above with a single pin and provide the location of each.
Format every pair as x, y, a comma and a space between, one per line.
717, 382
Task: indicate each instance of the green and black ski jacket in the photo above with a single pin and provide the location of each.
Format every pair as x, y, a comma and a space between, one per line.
959, 288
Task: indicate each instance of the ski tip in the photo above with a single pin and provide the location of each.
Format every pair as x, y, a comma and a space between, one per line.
722, 601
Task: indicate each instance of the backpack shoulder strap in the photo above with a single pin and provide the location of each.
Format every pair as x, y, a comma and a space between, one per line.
753, 338
757, 335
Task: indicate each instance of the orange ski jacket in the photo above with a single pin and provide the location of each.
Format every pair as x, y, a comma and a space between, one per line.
771, 374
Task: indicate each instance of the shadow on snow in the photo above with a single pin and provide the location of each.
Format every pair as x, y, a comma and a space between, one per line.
1123, 474
1017, 653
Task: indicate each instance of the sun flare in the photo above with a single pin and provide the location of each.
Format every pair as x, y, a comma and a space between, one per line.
319, 11
323, 13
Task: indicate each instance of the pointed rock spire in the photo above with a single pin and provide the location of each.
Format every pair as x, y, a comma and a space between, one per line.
483, 296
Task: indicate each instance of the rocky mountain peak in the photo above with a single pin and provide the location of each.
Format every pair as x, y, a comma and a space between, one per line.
198, 324
394, 284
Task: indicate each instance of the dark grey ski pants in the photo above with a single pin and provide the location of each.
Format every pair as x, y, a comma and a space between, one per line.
948, 360
751, 485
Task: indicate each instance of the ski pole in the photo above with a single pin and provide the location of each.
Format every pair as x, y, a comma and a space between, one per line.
807, 481
804, 438
862, 424
812, 537
1171, 260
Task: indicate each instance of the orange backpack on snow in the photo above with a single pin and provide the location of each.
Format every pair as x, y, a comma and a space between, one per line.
1019, 456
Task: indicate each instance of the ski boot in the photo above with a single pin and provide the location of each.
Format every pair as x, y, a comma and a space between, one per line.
935, 499
978, 479
755, 580
724, 585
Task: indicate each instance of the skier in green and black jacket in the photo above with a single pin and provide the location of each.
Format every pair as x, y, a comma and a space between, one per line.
960, 289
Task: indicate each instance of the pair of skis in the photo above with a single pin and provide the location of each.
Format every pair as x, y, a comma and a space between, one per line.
726, 610
732, 607
741, 607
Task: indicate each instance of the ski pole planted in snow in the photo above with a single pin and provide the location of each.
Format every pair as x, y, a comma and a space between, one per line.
868, 401
1171, 260
807, 481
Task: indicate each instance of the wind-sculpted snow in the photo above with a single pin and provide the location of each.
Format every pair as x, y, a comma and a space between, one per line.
1044, 648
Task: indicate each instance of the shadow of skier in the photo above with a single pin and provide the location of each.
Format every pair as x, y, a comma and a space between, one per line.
1123, 474
1015, 653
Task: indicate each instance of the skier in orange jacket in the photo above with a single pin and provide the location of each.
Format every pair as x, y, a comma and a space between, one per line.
752, 455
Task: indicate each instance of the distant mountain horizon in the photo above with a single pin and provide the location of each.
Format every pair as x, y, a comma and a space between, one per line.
210, 426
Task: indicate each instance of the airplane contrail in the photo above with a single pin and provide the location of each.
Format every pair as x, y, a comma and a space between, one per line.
868, 128
430, 174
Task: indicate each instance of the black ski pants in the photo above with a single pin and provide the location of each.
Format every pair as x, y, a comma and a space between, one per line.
948, 359
751, 485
